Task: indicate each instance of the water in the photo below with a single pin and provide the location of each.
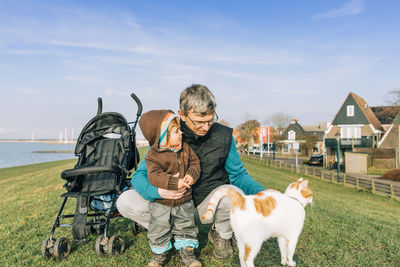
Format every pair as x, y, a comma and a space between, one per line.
21, 153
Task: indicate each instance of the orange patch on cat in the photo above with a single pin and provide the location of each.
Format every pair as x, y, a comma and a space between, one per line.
296, 184
247, 251
306, 192
259, 194
265, 206
237, 199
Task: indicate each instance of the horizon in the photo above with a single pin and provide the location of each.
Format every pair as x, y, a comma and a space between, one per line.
258, 58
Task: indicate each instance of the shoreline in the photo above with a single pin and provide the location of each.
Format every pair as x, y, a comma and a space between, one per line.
45, 141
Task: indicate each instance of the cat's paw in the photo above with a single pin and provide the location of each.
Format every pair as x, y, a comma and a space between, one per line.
291, 263
283, 262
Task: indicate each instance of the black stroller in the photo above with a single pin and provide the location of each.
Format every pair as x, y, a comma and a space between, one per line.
106, 151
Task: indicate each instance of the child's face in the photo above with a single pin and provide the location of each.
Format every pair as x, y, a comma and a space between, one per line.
175, 137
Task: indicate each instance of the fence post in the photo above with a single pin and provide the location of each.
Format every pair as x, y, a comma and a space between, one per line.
332, 176
357, 183
373, 186
391, 191
344, 179
280, 164
322, 174
305, 170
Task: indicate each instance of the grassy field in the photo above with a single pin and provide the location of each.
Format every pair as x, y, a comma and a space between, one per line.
344, 228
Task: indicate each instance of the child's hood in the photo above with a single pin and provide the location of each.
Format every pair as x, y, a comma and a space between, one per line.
150, 124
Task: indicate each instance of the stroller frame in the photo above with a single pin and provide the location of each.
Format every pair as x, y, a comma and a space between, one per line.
109, 179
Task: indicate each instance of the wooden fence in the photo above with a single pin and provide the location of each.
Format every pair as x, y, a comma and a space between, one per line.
375, 186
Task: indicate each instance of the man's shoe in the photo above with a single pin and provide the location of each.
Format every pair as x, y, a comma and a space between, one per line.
158, 260
187, 258
222, 247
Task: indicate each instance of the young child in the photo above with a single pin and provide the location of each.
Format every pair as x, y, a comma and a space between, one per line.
171, 165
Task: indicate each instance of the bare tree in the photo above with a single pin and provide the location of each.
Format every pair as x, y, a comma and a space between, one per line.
393, 97
247, 131
279, 120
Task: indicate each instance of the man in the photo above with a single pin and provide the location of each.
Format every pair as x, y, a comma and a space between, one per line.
220, 166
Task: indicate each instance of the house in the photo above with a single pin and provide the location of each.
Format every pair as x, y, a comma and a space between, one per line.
354, 126
307, 139
392, 135
386, 114
264, 133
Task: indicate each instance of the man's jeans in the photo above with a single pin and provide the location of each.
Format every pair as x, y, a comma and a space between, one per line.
133, 206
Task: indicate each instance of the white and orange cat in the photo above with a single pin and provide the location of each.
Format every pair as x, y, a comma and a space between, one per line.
269, 213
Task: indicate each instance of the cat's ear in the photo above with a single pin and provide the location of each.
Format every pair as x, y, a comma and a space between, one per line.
304, 183
300, 179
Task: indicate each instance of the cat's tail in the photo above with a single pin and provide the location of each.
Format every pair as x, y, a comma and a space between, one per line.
236, 198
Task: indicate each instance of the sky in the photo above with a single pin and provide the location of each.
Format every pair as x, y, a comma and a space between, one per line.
300, 57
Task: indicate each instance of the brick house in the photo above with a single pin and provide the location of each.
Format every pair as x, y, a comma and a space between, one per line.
355, 126
309, 139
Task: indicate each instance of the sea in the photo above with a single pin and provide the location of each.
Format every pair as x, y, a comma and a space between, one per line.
23, 153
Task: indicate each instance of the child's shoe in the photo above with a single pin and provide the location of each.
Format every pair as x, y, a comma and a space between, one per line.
187, 258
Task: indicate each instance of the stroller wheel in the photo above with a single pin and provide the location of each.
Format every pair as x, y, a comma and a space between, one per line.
48, 247
101, 245
116, 245
62, 247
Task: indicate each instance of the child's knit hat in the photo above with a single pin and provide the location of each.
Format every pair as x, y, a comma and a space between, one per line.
163, 131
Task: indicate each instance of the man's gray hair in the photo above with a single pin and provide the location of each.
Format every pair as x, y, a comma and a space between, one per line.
198, 99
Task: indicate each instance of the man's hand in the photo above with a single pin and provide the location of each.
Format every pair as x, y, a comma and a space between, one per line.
188, 179
171, 194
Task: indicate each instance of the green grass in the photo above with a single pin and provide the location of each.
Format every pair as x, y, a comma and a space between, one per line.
344, 228
375, 171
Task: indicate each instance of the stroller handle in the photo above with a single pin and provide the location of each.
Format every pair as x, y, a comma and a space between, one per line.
99, 105
137, 100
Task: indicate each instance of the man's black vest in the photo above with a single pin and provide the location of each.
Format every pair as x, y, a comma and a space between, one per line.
212, 150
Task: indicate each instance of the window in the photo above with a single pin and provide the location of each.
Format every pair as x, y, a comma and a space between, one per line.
348, 132
292, 135
285, 148
315, 149
350, 111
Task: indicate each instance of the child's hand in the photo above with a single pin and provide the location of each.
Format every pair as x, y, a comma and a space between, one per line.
182, 183
188, 179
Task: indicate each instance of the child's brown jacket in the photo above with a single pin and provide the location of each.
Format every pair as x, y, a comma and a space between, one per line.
162, 164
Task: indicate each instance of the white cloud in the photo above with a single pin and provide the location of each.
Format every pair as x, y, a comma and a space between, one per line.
353, 7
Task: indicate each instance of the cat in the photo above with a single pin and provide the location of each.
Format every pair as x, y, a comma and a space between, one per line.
269, 213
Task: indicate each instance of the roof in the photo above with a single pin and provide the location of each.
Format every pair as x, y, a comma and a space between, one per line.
317, 130
396, 120
386, 114
369, 114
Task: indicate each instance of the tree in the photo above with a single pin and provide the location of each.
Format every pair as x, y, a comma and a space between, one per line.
247, 131
386, 114
393, 97
308, 145
279, 120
